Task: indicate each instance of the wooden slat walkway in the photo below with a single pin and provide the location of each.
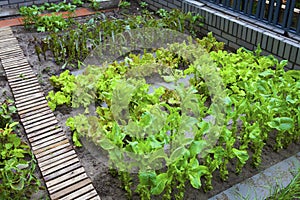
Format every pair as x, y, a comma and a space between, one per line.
64, 176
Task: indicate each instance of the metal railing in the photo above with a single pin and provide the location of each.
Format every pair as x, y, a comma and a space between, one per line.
284, 14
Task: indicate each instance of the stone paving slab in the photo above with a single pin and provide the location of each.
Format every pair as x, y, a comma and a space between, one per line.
263, 184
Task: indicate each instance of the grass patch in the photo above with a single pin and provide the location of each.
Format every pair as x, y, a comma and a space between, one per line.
292, 191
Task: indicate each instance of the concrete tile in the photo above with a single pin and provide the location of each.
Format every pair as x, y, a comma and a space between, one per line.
270, 44
259, 38
229, 37
296, 67
287, 51
264, 41
214, 30
249, 34
293, 54
254, 37
275, 46
245, 44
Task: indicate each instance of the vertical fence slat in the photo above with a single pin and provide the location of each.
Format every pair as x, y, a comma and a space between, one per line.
291, 14
271, 10
262, 10
250, 7
298, 25
286, 14
257, 15
277, 12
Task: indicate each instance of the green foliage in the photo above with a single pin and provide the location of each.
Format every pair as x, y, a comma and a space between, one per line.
291, 191
148, 129
17, 163
7, 109
62, 6
95, 4
124, 4
53, 22
144, 4
75, 44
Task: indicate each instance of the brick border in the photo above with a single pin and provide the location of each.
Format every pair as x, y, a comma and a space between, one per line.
20, 3
237, 30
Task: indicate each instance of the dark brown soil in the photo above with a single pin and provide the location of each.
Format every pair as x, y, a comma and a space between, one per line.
107, 186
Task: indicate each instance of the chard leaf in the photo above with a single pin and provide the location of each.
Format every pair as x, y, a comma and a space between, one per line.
160, 185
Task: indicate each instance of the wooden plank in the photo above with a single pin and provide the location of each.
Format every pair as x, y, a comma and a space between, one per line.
21, 75
23, 82
28, 127
66, 141
13, 64
88, 195
36, 133
36, 119
19, 72
48, 144
25, 115
13, 61
18, 68
64, 177
25, 107
21, 91
25, 86
31, 97
50, 153
21, 78
58, 162
10, 49
37, 115
8, 41
54, 152
60, 167
11, 55
47, 134
62, 172
49, 123
32, 109
58, 157
39, 99
33, 103
69, 182
52, 137
70, 189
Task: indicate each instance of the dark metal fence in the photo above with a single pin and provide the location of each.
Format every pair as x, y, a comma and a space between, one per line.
283, 14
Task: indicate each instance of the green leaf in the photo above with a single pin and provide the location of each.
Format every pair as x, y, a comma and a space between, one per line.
160, 185
178, 153
282, 123
147, 178
75, 139
242, 155
8, 146
197, 147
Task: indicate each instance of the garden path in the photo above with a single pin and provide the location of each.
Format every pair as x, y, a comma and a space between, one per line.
64, 176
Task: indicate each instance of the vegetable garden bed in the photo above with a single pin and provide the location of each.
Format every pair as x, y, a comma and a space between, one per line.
262, 107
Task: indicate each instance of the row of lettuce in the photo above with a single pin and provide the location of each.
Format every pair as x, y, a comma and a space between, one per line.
17, 164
